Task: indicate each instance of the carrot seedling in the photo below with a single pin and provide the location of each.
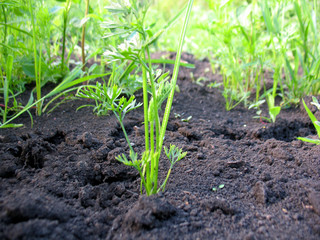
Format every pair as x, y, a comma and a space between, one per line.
129, 22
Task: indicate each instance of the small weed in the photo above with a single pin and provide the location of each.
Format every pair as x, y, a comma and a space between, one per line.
186, 119
215, 189
314, 120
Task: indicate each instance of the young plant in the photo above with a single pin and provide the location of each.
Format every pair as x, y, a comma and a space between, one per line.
6, 86
273, 110
129, 22
100, 94
68, 84
37, 60
6, 80
83, 37
65, 24
314, 120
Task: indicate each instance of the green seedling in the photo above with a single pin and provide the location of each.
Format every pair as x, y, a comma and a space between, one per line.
214, 85
219, 187
186, 119
64, 33
98, 93
174, 155
6, 84
256, 106
120, 107
314, 120
177, 115
83, 36
200, 81
7, 94
37, 60
254, 37
273, 110
68, 84
128, 21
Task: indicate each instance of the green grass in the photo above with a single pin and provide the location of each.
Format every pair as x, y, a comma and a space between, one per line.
242, 39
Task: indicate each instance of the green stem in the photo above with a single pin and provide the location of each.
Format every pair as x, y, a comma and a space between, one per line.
154, 121
124, 131
257, 80
163, 186
145, 107
170, 98
5, 30
83, 37
174, 76
38, 86
65, 19
6, 85
155, 110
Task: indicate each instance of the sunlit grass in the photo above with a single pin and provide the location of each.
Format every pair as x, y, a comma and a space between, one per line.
242, 39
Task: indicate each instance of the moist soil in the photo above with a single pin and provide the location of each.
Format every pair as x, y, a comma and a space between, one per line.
241, 179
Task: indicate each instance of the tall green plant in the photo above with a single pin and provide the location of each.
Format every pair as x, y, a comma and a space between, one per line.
156, 88
83, 37
37, 68
6, 85
64, 32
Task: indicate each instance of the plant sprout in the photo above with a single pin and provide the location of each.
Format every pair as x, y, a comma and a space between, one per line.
129, 22
314, 120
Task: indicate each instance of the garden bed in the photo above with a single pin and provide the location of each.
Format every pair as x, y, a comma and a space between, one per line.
241, 179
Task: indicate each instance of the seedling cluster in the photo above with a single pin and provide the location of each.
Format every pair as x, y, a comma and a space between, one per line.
254, 39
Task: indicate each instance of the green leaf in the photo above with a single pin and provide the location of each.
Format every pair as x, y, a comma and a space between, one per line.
11, 125
28, 69
17, 29
315, 102
174, 154
274, 111
267, 16
312, 117
69, 82
165, 28
314, 141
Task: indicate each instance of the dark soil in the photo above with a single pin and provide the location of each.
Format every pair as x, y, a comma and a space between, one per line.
60, 180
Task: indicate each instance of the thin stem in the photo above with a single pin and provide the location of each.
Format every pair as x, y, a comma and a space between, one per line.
155, 110
65, 19
6, 85
38, 87
63, 41
174, 76
5, 30
163, 186
124, 132
145, 107
154, 121
38, 84
83, 37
